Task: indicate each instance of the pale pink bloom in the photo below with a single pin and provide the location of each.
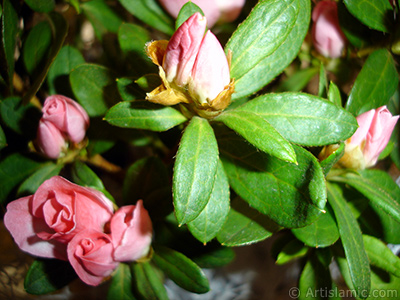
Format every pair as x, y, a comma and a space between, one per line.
90, 253
328, 38
50, 141
67, 115
196, 60
373, 134
43, 224
131, 232
214, 10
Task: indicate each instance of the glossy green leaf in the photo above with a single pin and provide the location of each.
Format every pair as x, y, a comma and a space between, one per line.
258, 132
378, 187
266, 43
3, 140
210, 220
32, 183
150, 12
381, 256
147, 282
215, 258
99, 91
102, 17
315, 281
44, 6
121, 284
332, 159
13, 170
144, 115
373, 13
48, 275
245, 226
292, 250
334, 94
57, 79
291, 195
303, 119
85, 176
297, 81
187, 10
181, 270
322, 85
129, 90
23, 119
375, 84
350, 235
59, 32
9, 37
36, 47
194, 170
322, 233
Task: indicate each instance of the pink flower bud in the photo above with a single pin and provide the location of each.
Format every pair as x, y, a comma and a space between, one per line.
90, 254
196, 61
67, 115
131, 232
373, 134
328, 38
50, 141
214, 10
183, 48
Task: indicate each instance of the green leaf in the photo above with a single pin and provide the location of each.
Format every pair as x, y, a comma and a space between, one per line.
350, 235
375, 84
266, 43
332, 159
291, 195
59, 32
148, 284
13, 170
378, 187
23, 119
322, 85
43, 6
32, 183
292, 250
150, 13
187, 10
216, 258
259, 133
381, 256
144, 115
194, 170
57, 79
303, 119
373, 13
129, 90
245, 226
36, 47
334, 94
121, 284
99, 91
314, 280
102, 17
181, 270
207, 224
46, 276
297, 81
322, 233
3, 140
9, 37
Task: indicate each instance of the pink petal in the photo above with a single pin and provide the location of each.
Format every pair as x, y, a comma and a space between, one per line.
364, 123
50, 140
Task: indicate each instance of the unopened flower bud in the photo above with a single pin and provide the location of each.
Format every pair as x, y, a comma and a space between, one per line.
50, 141
328, 38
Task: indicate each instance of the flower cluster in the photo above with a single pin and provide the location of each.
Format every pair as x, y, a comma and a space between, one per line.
66, 221
63, 120
220, 10
362, 150
193, 68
